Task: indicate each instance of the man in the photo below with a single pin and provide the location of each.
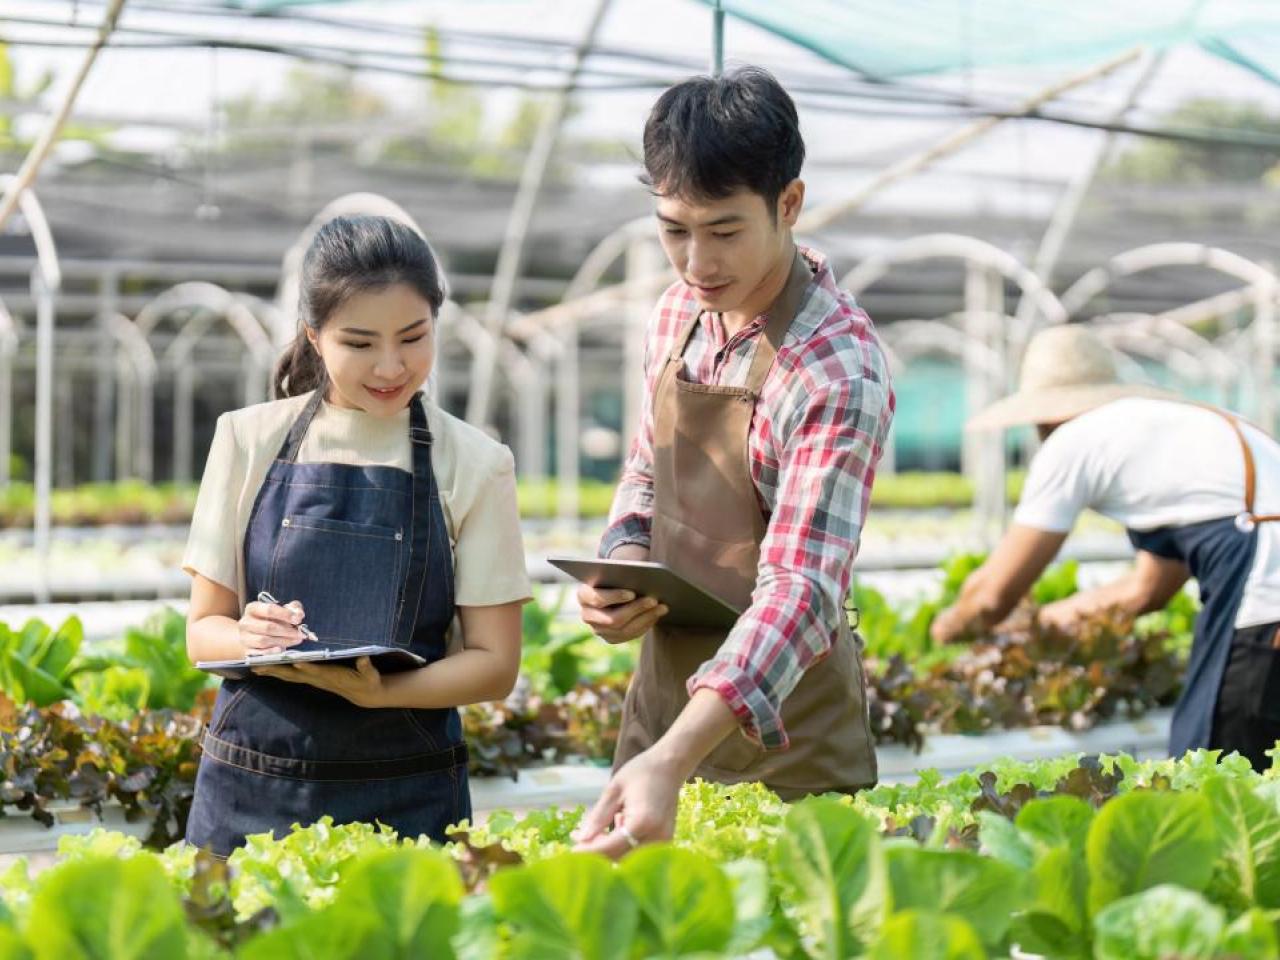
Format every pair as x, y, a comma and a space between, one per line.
767, 404
1181, 478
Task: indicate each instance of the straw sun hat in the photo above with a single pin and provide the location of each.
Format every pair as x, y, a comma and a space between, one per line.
1066, 371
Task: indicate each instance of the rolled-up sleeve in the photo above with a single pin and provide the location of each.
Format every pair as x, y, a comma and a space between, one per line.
827, 465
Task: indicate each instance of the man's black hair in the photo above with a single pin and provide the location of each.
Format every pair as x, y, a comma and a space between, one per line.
709, 136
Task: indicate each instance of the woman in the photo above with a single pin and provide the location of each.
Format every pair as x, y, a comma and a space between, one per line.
374, 517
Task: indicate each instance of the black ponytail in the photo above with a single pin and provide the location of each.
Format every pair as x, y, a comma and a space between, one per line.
351, 255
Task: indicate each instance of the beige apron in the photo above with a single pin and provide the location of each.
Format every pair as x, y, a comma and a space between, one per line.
708, 524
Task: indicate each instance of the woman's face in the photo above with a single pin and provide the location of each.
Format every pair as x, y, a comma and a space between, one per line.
378, 349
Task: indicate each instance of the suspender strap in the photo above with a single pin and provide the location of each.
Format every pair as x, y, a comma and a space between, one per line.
1247, 519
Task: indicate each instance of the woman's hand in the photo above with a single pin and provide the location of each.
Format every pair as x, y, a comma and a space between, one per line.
270, 627
361, 685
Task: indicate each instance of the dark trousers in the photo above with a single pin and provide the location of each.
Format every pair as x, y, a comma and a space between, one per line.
1247, 716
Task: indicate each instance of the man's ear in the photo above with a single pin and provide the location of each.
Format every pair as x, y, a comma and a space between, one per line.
791, 202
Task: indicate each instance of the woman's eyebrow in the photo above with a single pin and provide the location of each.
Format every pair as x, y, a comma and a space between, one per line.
373, 333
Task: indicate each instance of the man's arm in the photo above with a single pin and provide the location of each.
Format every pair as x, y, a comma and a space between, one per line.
833, 442
1149, 586
826, 468
994, 589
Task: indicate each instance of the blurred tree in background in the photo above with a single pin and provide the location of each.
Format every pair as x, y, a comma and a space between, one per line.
1171, 161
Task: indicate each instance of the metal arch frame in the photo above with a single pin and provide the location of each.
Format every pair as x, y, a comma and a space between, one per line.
137, 371
1167, 338
8, 350
936, 336
907, 340
1186, 364
602, 257
208, 303
511, 253
986, 269
524, 373
1155, 255
955, 246
1263, 285
46, 281
211, 302
41, 235
557, 344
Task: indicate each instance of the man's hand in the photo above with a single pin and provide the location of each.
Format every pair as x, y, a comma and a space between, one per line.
637, 807
1062, 615
617, 616
949, 626
639, 804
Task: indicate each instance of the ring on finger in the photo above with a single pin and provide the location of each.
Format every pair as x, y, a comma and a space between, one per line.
627, 835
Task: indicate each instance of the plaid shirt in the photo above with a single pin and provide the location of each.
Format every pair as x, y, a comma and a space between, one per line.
817, 434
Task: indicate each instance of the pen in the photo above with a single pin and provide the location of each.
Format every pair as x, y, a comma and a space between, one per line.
302, 627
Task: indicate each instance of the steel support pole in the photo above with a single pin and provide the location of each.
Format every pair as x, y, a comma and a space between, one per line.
643, 260
44, 429
717, 39
568, 427
511, 255
106, 393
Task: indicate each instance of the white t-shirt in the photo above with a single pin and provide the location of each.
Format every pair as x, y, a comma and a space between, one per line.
1154, 463
474, 473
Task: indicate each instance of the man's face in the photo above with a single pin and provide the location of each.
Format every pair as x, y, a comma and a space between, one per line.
727, 249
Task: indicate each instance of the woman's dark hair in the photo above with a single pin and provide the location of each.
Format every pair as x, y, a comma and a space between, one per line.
351, 255
709, 136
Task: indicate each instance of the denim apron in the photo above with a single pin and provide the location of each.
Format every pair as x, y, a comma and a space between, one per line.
366, 551
1220, 554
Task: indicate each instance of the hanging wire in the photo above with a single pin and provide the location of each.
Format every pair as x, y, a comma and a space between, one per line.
823, 94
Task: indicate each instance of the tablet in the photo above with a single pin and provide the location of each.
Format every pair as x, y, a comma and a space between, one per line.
385, 659
690, 605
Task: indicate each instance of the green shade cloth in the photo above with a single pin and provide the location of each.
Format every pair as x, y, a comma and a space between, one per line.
886, 40
907, 38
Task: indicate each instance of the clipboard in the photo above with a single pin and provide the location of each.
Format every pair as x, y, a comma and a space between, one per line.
689, 604
385, 659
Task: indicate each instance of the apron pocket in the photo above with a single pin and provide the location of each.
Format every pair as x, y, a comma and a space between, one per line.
225, 704
313, 554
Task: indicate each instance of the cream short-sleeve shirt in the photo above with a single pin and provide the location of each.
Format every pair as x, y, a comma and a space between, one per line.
474, 473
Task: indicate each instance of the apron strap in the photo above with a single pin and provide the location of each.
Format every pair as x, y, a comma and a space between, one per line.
293, 439
781, 312
423, 491
1247, 519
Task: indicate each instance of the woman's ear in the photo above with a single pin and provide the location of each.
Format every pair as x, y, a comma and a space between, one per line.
313, 339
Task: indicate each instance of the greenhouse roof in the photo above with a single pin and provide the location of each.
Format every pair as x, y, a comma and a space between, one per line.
911, 38
919, 37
